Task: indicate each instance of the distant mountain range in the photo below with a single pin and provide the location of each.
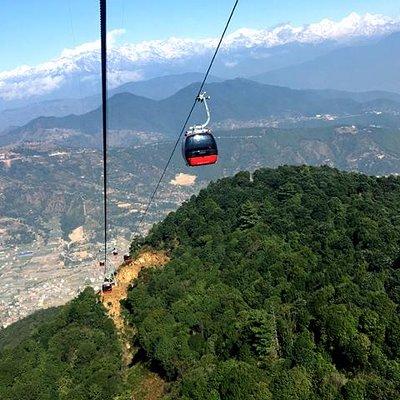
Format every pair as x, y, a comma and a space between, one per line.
358, 68
156, 88
164, 86
245, 52
235, 100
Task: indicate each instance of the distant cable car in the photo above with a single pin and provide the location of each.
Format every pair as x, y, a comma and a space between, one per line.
106, 287
102, 263
199, 146
127, 258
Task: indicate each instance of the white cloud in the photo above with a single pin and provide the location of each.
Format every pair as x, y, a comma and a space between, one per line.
231, 64
29, 88
84, 48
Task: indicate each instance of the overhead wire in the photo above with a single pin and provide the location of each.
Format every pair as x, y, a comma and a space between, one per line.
117, 67
153, 194
103, 55
75, 44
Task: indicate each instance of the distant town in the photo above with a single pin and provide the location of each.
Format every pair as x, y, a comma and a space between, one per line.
43, 266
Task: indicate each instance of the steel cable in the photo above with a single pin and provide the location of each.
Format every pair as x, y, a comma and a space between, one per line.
151, 198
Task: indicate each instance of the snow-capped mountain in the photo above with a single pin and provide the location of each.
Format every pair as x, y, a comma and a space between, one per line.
352, 27
75, 73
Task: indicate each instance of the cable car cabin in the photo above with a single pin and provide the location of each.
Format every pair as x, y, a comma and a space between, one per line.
199, 146
127, 258
200, 149
102, 264
106, 287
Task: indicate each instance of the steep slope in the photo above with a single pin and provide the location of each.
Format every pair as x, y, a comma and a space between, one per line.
142, 384
125, 275
283, 285
361, 68
76, 352
68, 353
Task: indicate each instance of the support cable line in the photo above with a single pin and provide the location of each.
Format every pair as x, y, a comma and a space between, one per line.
151, 198
103, 40
75, 43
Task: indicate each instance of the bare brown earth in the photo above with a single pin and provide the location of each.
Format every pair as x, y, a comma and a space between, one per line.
183, 180
77, 235
125, 275
151, 387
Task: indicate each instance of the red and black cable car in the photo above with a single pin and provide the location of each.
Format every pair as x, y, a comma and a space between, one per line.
200, 149
127, 258
199, 146
106, 287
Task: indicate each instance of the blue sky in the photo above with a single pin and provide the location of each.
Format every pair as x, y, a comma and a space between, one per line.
33, 31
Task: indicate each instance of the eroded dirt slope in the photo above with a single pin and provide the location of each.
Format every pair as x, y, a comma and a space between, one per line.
125, 275
147, 385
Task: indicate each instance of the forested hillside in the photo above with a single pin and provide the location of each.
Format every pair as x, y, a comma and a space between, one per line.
67, 353
283, 286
